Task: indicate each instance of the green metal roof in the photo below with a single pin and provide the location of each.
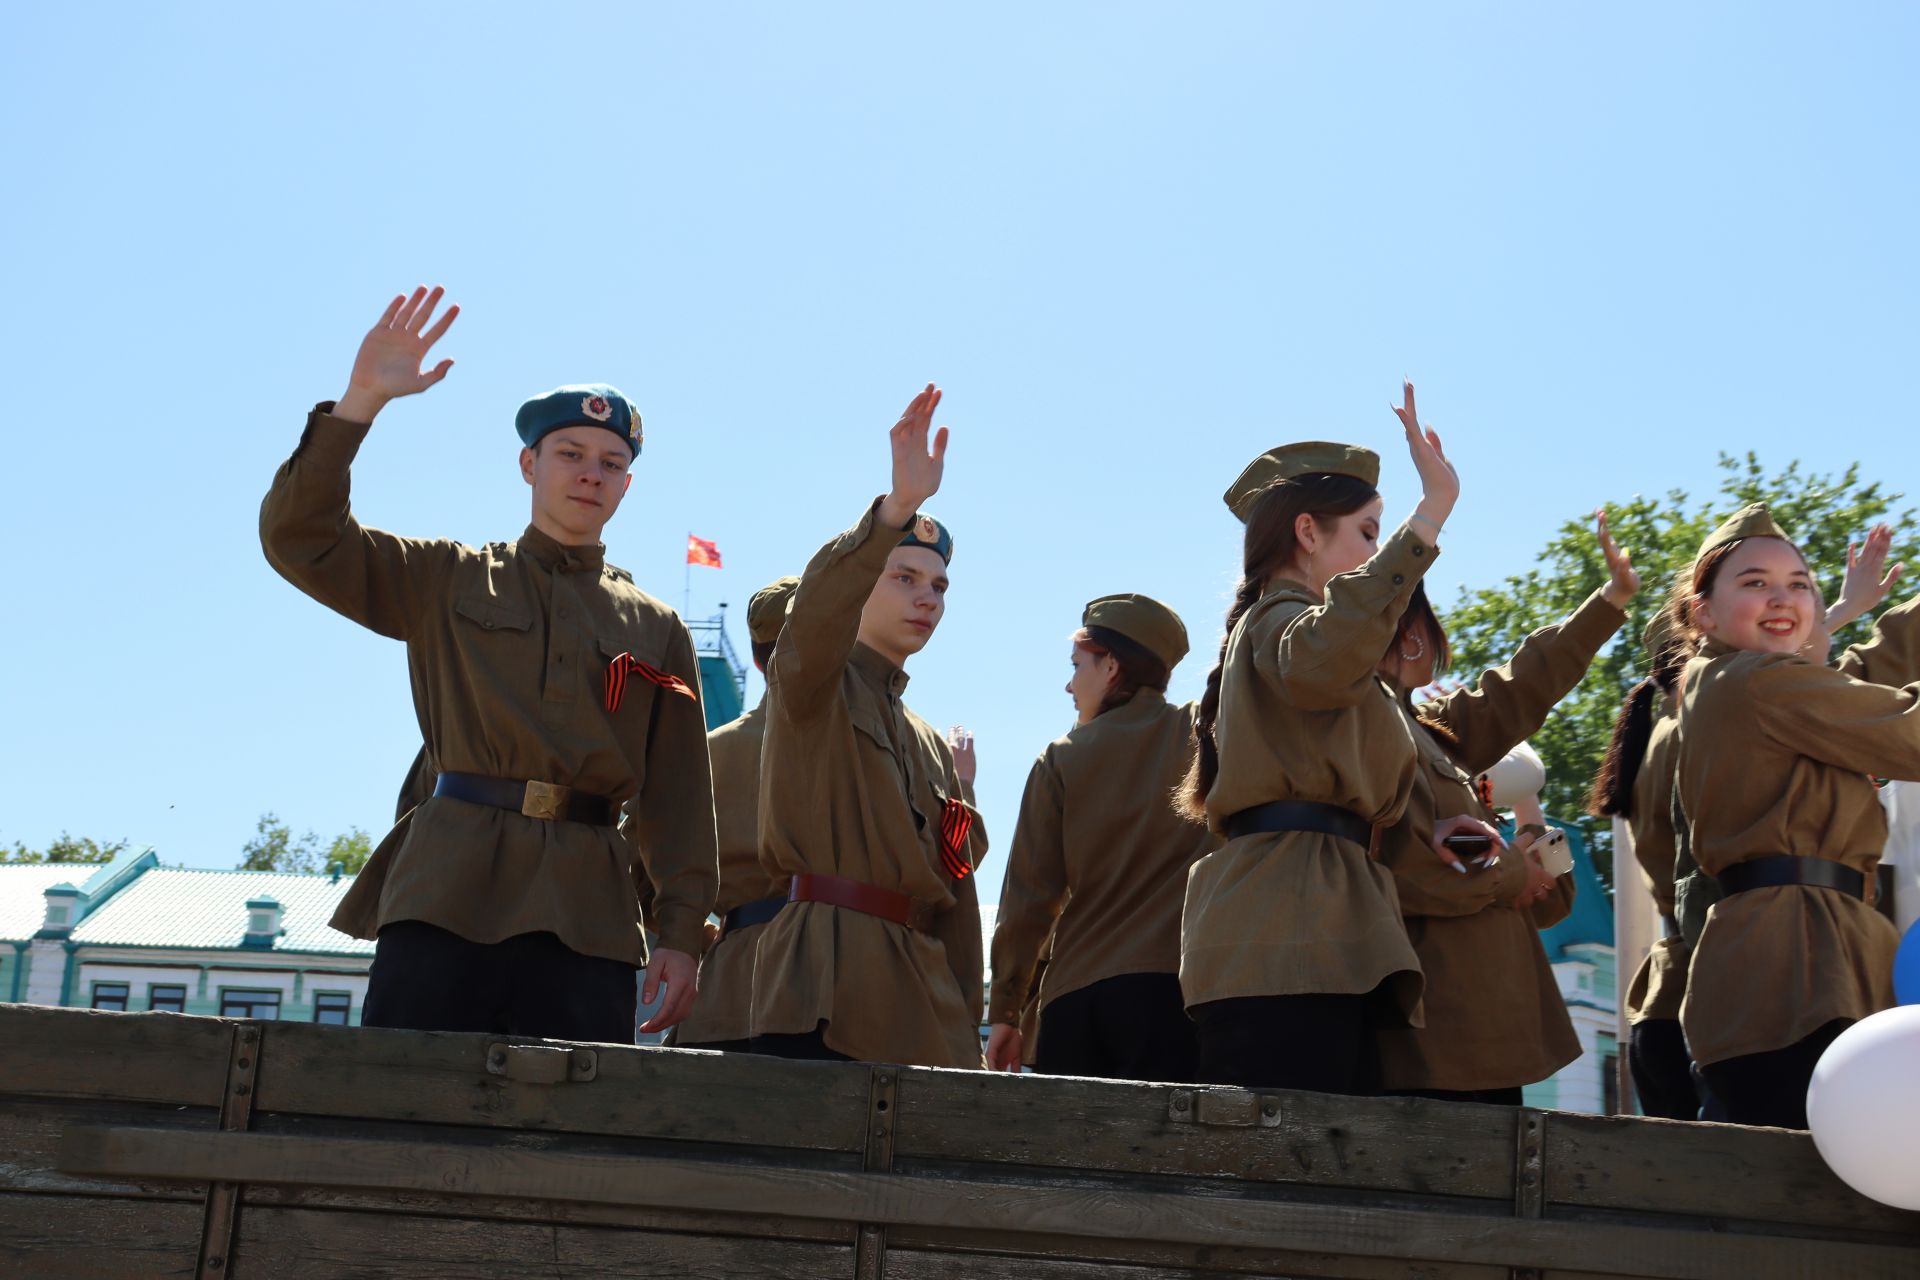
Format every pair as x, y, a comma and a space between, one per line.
23, 895
166, 907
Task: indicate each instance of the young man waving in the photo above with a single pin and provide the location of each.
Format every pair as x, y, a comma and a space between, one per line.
550, 691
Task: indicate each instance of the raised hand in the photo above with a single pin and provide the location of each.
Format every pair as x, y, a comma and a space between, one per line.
965, 762
1864, 586
388, 363
916, 471
1623, 579
1439, 482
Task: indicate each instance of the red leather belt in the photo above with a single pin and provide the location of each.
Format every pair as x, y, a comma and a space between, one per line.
857, 895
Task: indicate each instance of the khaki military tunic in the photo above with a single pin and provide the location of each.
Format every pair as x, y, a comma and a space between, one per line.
1660, 983
508, 647
1304, 717
853, 784
725, 1008
1494, 1013
1097, 822
1775, 757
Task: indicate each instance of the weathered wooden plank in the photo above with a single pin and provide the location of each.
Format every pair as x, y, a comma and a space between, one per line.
643, 1092
1400, 1144
83, 1052
1713, 1171
1015, 1250
894, 1199
294, 1244
460, 1206
50, 1237
31, 1128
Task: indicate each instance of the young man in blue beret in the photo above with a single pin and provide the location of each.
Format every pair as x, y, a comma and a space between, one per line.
551, 692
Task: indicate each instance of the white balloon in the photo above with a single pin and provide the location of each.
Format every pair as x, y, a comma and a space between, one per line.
1864, 1110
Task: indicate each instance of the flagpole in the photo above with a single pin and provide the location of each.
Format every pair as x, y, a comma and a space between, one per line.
686, 591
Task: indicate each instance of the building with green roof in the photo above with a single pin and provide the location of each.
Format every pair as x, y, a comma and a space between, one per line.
133, 935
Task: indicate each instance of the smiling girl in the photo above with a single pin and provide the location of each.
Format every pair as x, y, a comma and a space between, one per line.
1775, 763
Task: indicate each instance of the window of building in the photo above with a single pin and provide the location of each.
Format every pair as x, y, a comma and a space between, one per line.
167, 999
110, 995
331, 1007
250, 1004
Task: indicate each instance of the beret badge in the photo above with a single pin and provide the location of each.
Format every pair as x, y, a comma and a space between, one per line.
927, 531
597, 408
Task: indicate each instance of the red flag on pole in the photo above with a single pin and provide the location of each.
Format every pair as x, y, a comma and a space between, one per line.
700, 551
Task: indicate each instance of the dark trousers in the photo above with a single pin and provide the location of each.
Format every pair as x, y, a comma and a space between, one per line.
425, 978
1130, 1027
1511, 1096
1662, 1069
809, 1046
1771, 1088
1315, 1041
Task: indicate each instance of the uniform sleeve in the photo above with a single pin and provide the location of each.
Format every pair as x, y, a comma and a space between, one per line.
958, 929
308, 532
1832, 717
824, 619
1032, 894
1891, 655
672, 816
1556, 906
1652, 822
1507, 705
1327, 653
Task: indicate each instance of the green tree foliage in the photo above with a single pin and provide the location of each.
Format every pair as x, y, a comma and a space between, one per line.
1823, 513
65, 849
275, 848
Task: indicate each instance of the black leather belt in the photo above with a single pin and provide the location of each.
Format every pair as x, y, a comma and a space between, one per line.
548, 801
748, 914
1300, 815
1779, 869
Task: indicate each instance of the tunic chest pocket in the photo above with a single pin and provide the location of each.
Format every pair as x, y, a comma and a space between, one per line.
1456, 784
490, 613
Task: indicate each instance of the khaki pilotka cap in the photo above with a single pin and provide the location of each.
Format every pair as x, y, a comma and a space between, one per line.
1307, 458
1143, 620
1750, 521
767, 610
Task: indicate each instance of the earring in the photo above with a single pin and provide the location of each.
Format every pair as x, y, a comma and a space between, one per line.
1419, 648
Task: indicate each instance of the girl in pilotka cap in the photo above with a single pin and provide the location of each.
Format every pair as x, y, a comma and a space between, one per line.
1099, 864
1495, 1019
1777, 752
1291, 927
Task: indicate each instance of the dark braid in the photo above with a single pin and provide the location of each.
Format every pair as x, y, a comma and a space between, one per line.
1270, 545
1191, 796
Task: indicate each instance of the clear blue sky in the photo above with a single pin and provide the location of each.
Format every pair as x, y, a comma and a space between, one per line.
1138, 244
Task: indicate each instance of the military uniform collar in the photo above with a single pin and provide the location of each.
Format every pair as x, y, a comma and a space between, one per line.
1716, 648
559, 557
1144, 702
1280, 585
877, 668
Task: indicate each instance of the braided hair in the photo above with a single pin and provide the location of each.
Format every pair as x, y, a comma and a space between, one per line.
1270, 546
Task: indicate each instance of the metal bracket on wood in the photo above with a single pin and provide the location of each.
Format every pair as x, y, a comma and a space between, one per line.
1224, 1108
1529, 1174
542, 1063
870, 1251
236, 1113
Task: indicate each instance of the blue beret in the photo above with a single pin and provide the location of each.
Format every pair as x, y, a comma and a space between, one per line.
927, 532
591, 404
